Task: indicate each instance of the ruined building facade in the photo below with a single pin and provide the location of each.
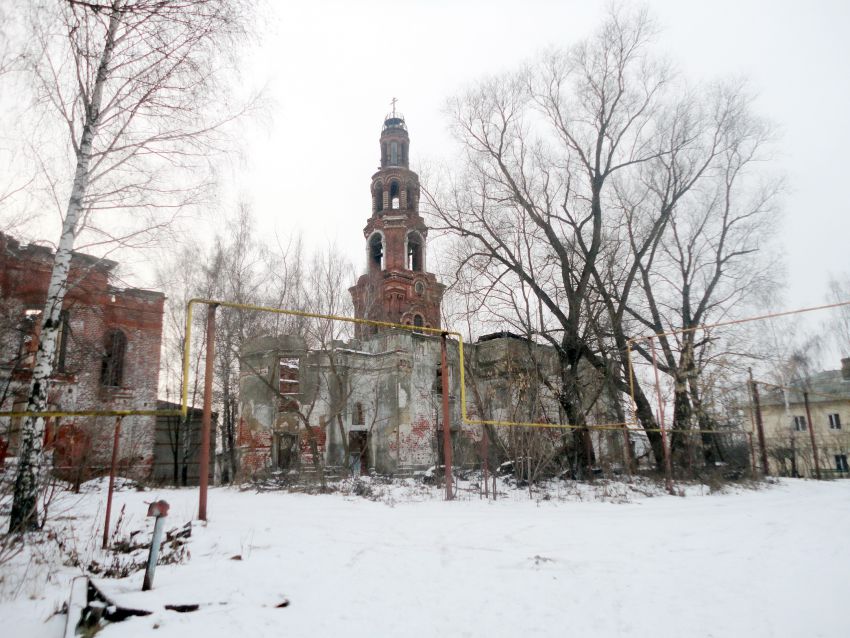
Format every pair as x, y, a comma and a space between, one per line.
107, 358
374, 403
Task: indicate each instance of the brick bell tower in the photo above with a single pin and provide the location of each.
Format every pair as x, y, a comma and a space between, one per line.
396, 287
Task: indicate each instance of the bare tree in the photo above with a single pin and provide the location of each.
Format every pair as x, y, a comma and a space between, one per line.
542, 147
130, 80
602, 198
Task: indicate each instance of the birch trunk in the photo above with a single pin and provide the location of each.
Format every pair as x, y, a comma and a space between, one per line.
24, 515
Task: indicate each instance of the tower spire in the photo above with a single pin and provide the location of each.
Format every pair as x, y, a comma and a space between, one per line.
393, 101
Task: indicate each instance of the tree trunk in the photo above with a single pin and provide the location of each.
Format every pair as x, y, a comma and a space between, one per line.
31, 453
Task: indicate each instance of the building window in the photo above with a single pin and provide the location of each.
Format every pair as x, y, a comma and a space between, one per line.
112, 366
62, 340
289, 383
414, 252
376, 252
394, 195
799, 424
379, 197
394, 153
418, 321
841, 463
289, 377
834, 422
357, 417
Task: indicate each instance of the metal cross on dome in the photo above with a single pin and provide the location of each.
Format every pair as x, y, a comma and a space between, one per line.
393, 101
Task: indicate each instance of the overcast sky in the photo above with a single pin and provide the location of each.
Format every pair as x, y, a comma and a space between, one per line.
332, 67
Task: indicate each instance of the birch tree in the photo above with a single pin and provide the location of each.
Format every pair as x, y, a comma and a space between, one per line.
131, 81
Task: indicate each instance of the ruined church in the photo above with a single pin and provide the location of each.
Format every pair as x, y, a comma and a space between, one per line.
374, 403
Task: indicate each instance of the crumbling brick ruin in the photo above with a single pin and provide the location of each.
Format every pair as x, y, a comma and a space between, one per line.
107, 358
374, 403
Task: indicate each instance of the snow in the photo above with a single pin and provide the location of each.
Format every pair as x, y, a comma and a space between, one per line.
764, 562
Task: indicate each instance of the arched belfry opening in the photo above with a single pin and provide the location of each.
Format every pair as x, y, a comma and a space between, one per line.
376, 252
410, 203
415, 252
394, 195
378, 196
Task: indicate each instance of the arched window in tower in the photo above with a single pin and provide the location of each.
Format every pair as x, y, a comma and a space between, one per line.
379, 196
414, 252
112, 365
394, 194
394, 153
376, 252
404, 153
418, 321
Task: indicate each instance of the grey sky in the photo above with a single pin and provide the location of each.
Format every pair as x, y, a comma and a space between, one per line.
332, 68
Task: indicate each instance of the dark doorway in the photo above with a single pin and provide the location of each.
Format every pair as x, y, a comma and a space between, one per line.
358, 452
286, 451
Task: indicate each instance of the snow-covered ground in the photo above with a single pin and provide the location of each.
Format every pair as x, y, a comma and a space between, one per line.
767, 562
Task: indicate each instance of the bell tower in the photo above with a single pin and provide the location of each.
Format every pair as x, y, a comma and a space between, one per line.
396, 287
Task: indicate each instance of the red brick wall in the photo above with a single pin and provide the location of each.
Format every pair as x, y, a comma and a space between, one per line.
95, 307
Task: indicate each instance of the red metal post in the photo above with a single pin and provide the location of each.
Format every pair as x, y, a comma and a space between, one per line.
112, 471
447, 433
759, 424
485, 444
668, 469
812, 434
206, 421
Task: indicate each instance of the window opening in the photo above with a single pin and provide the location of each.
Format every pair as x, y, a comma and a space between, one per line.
379, 197
414, 252
357, 417
799, 424
841, 463
112, 366
376, 252
62, 340
29, 343
289, 382
394, 153
394, 194
418, 321
834, 422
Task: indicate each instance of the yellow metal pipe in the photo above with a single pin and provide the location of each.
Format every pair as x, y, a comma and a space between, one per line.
184, 398
53, 413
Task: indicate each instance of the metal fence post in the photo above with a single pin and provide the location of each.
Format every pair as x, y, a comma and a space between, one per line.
112, 471
447, 433
158, 509
207, 414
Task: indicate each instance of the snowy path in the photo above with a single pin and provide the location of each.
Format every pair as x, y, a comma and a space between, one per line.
767, 563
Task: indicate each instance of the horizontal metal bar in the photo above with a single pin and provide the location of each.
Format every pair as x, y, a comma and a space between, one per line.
52, 413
